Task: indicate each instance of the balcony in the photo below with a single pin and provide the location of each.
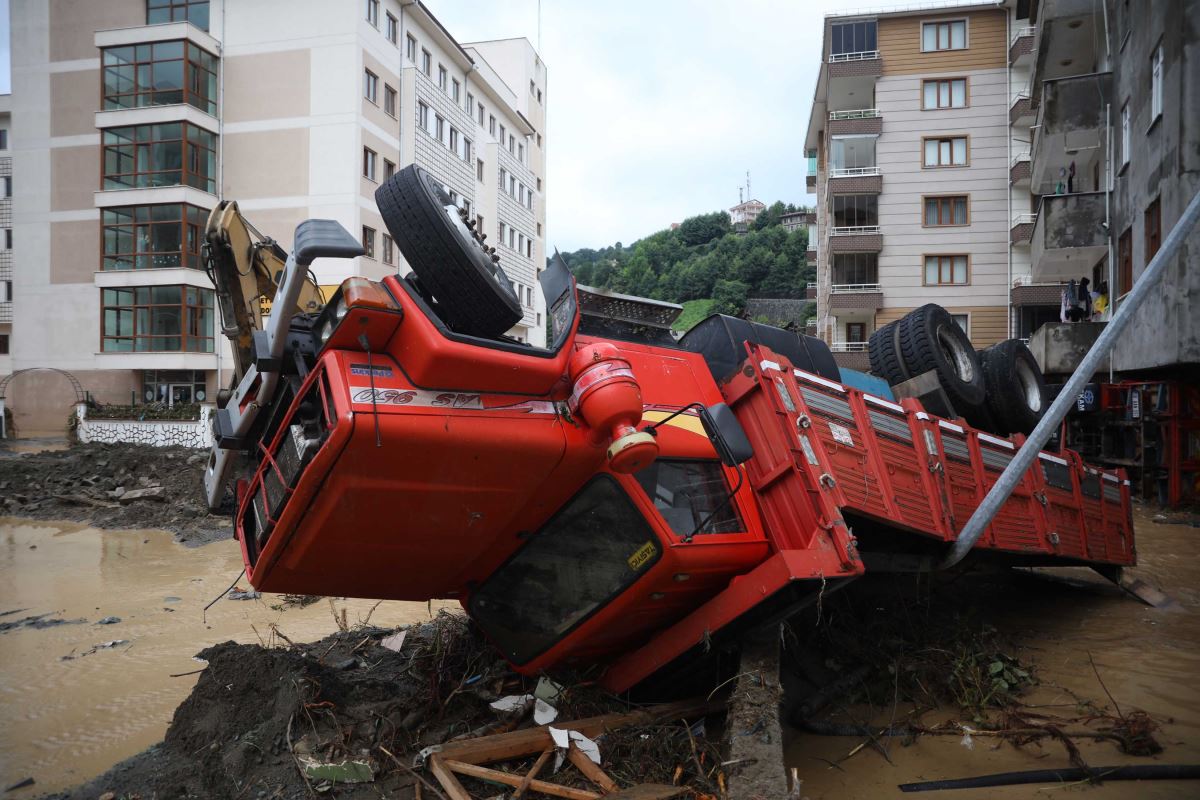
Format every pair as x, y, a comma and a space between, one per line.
1021, 232
855, 65
1020, 49
1071, 130
811, 179
848, 347
1021, 111
810, 291
1025, 292
1068, 238
855, 121
855, 180
855, 296
6, 312
811, 257
856, 239
1018, 170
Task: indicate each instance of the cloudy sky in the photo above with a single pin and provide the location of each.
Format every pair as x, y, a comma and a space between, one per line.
657, 108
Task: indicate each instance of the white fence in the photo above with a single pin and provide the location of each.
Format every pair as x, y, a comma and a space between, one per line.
152, 432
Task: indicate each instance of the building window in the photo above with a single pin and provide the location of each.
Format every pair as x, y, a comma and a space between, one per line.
193, 11
470, 104
173, 387
539, 184
945, 270
371, 86
393, 29
146, 319
512, 143
521, 153
389, 250
852, 37
3, 344
1124, 264
6, 186
946, 211
3, 138
369, 163
539, 96
479, 170
8, 238
410, 47
442, 76
389, 170
171, 154
480, 111
1156, 84
389, 100
1125, 134
368, 241
855, 269
963, 321
152, 237
373, 12
855, 210
532, 88
503, 179
852, 152
423, 117
502, 134
950, 151
1153, 220
950, 35
439, 128
539, 140
456, 90
159, 74
466, 150
454, 139
426, 63
491, 125
944, 93
529, 250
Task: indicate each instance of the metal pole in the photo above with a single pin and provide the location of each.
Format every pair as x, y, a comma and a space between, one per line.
1024, 458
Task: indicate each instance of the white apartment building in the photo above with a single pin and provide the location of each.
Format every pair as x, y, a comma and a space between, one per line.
911, 144
6, 234
133, 118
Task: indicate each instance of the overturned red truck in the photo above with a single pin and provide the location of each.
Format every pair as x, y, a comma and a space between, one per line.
617, 496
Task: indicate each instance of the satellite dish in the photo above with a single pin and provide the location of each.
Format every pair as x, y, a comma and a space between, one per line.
200, 396
149, 395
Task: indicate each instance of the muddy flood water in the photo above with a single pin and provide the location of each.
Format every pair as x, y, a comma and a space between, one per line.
70, 710
1149, 660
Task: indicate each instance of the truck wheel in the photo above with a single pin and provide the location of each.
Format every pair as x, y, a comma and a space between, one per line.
931, 340
1016, 390
885, 360
473, 293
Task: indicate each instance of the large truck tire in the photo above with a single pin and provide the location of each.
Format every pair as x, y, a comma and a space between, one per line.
884, 356
930, 339
1016, 389
473, 294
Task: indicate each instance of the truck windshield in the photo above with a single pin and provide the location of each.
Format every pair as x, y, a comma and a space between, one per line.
686, 492
595, 547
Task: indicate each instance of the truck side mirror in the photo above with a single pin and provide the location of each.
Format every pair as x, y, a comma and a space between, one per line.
726, 434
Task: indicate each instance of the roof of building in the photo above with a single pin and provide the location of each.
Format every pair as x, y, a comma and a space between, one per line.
749, 204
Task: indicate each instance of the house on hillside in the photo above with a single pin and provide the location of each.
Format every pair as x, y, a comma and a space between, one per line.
743, 214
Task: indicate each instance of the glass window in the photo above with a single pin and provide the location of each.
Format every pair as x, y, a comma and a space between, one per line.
963, 321
686, 493
423, 117
1125, 134
442, 75
951, 35
369, 163
410, 47
388, 250
945, 270
170, 154
163, 73
157, 319
389, 170
373, 12
193, 11
389, 100
368, 241
3, 138
371, 86
1156, 83
393, 28
852, 37
455, 89
594, 548
426, 63
944, 93
174, 386
852, 152
152, 237
855, 268
855, 210
941, 211
1153, 229
947, 152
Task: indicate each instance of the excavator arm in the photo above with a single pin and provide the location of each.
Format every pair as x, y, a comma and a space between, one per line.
245, 267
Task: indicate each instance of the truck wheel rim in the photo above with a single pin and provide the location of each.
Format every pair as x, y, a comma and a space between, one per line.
958, 357
1028, 384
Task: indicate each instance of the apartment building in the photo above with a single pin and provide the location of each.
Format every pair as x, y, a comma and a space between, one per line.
6, 233
133, 118
909, 155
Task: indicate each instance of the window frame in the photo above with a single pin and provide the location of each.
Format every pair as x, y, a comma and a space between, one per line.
966, 137
368, 242
191, 221
1124, 265
1151, 230
187, 314
966, 198
389, 250
392, 32
949, 36
370, 87
443, 77
370, 166
410, 47
189, 147
188, 92
966, 82
390, 98
389, 169
863, 262
373, 13
1126, 122
427, 63
949, 257
965, 328
185, 6
1157, 77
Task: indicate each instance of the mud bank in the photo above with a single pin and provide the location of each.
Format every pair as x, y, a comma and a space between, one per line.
115, 487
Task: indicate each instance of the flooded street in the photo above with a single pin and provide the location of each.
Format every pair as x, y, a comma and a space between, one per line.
1148, 658
63, 720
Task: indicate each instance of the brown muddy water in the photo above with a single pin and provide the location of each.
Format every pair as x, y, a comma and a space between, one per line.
64, 720
1149, 659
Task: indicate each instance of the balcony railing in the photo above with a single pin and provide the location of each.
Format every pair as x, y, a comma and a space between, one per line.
1028, 30
848, 347
854, 288
1024, 219
858, 113
1017, 158
864, 55
853, 230
854, 172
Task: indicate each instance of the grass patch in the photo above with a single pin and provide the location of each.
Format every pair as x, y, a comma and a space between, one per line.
693, 312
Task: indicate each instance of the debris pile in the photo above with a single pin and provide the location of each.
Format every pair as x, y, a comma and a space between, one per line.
362, 712
113, 486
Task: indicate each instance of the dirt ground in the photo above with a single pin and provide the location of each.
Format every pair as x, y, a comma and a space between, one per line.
113, 486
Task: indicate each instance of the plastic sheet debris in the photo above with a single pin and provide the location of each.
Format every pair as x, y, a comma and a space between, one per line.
338, 772
563, 739
547, 690
395, 642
